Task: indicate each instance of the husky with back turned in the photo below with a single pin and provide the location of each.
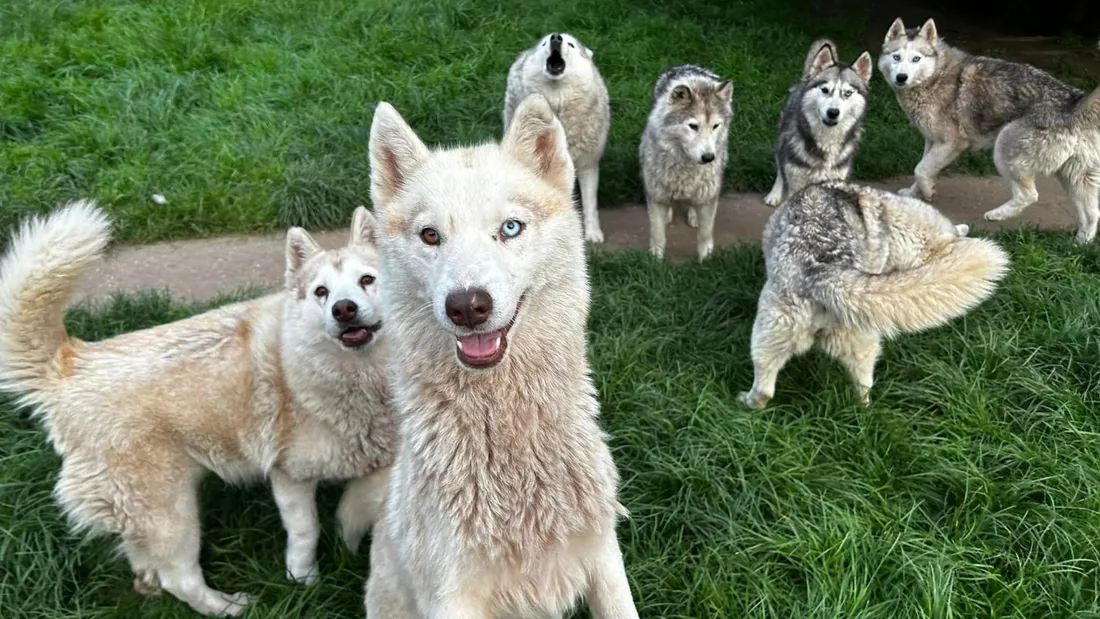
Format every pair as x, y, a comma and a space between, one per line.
683, 151
560, 68
1035, 124
821, 125
848, 265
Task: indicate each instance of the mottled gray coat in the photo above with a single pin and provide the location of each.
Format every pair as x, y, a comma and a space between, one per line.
1035, 124
684, 151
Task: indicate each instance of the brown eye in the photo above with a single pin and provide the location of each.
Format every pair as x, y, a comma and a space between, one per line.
366, 280
321, 291
429, 236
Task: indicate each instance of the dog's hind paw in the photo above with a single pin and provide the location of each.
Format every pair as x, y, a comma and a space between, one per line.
234, 604
308, 575
693, 217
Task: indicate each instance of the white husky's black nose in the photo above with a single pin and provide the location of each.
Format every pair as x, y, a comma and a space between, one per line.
901, 78
345, 310
832, 113
707, 157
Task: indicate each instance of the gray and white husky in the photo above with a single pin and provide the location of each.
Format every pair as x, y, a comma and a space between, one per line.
821, 125
1035, 124
683, 151
560, 68
848, 265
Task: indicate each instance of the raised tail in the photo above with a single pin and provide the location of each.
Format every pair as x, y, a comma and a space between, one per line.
946, 287
37, 276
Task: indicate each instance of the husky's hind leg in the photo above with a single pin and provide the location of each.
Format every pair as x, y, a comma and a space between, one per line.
1018, 161
858, 351
782, 329
164, 536
1084, 191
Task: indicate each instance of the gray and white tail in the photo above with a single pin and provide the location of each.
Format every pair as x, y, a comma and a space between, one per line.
37, 276
944, 288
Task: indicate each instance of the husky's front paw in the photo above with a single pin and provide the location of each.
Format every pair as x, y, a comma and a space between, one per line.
228, 605
593, 234
962, 229
304, 575
773, 198
909, 192
752, 400
693, 217
1001, 213
657, 251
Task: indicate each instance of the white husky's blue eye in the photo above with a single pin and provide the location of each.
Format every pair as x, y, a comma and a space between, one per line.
897, 56
511, 228
916, 58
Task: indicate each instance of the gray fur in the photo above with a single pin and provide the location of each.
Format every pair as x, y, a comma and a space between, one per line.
848, 265
1035, 124
692, 110
579, 98
812, 147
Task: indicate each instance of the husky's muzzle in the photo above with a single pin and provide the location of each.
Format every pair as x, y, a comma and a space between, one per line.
555, 63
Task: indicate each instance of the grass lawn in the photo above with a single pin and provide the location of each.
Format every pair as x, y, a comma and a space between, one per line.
253, 114
970, 487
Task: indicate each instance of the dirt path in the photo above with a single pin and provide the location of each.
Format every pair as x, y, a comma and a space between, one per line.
201, 269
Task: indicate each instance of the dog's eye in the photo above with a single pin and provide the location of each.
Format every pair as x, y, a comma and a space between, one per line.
320, 292
511, 228
693, 126
897, 56
366, 280
573, 46
846, 94
916, 58
825, 89
429, 236
715, 125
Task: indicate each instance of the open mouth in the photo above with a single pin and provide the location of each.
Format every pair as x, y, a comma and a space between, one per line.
484, 350
354, 337
555, 64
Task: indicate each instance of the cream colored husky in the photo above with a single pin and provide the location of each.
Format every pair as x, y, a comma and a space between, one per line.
503, 493
289, 387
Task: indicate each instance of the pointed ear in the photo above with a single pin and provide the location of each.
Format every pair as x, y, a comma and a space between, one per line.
362, 227
681, 94
300, 247
864, 67
824, 58
725, 91
536, 139
897, 31
395, 154
928, 31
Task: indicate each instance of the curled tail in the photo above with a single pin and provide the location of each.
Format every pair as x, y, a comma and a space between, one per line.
37, 276
946, 287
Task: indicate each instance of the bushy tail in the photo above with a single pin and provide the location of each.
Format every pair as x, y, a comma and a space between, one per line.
946, 287
37, 275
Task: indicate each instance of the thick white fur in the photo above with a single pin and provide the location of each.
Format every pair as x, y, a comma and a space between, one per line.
252, 390
502, 499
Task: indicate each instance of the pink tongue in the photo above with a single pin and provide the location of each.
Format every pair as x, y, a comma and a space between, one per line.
480, 344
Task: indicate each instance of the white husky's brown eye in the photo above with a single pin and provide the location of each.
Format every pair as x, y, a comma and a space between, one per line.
715, 125
320, 291
366, 280
429, 236
693, 126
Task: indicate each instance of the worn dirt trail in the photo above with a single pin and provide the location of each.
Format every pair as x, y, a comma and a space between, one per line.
201, 269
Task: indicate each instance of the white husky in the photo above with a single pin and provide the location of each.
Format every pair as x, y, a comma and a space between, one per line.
290, 387
561, 69
503, 492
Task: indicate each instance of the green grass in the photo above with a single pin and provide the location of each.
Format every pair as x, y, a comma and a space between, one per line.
970, 488
253, 114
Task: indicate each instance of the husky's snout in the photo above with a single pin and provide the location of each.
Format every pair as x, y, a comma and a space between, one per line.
355, 334
469, 308
901, 78
555, 63
832, 116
